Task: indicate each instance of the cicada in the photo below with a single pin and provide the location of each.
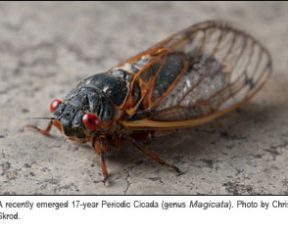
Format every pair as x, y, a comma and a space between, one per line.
186, 80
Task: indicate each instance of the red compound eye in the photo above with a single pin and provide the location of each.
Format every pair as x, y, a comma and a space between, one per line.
54, 104
90, 121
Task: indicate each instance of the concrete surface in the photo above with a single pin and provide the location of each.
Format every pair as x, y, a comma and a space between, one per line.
46, 48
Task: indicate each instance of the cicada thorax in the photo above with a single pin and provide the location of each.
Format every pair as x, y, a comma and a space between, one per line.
151, 78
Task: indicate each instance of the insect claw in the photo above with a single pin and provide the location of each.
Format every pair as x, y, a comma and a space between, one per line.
106, 180
155, 157
179, 172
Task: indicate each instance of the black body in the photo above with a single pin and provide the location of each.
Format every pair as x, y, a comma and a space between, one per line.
97, 94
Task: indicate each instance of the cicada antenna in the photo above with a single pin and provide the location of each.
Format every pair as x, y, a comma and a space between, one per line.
45, 118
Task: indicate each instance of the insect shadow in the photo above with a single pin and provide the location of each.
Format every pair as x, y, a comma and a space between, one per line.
181, 147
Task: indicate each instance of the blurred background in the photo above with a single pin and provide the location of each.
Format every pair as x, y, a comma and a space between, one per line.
47, 47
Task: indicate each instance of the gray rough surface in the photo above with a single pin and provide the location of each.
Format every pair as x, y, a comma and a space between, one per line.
46, 48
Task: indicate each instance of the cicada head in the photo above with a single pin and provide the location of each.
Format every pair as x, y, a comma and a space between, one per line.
77, 123
69, 118
90, 107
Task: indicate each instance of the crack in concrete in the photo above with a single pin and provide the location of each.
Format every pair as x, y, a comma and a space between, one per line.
159, 179
274, 150
5, 167
128, 183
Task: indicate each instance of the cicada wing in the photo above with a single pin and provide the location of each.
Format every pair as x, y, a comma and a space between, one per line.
222, 68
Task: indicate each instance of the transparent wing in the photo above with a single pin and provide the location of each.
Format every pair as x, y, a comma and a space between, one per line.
226, 67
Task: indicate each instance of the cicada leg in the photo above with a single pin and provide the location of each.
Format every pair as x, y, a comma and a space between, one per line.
100, 145
154, 156
47, 130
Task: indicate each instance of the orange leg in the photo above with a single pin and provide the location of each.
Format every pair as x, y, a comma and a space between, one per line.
153, 156
46, 131
101, 148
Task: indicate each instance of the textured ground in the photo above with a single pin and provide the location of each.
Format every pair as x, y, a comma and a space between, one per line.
45, 48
